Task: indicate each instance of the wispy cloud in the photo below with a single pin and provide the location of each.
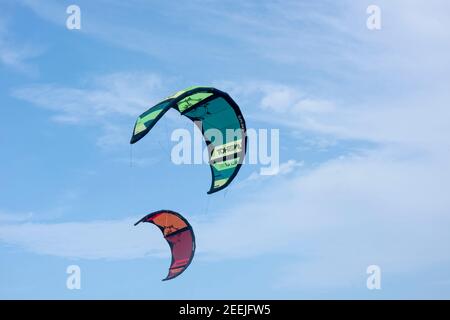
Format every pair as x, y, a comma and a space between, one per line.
379, 120
136, 34
302, 34
347, 213
104, 101
92, 240
15, 217
334, 221
284, 168
16, 55
103, 97
313, 38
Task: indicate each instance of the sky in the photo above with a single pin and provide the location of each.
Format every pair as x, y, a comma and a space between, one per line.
364, 125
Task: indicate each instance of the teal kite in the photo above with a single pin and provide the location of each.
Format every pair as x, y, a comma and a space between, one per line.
211, 110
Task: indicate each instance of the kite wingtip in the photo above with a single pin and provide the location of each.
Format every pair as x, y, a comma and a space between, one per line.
168, 278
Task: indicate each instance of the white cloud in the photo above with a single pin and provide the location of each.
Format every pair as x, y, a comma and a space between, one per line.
283, 169
105, 96
313, 38
380, 207
103, 101
14, 55
288, 100
89, 240
289, 166
420, 120
332, 222
113, 135
379, 90
15, 217
134, 34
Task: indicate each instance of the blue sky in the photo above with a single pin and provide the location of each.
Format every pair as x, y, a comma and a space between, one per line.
364, 126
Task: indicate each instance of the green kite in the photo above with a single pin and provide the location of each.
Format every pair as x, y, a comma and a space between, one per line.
220, 120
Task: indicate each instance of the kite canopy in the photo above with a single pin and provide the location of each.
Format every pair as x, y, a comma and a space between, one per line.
179, 235
220, 120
